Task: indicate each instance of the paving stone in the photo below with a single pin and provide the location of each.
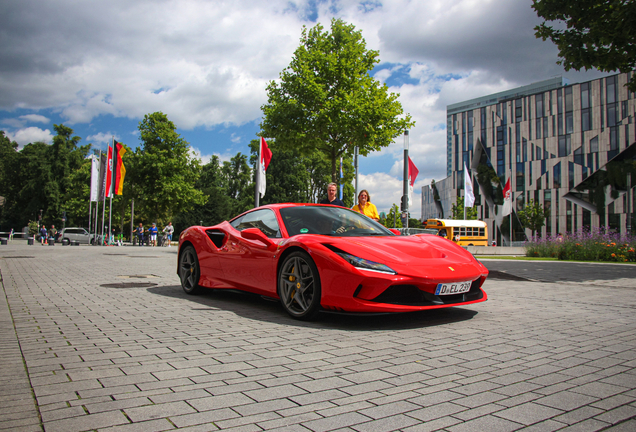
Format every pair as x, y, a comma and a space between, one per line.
528, 413
526, 359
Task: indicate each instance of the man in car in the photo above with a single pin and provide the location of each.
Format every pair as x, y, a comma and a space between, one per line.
332, 188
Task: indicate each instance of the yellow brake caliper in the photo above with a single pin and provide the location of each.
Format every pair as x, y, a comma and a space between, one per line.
292, 278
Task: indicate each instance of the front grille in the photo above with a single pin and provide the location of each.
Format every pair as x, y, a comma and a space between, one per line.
410, 295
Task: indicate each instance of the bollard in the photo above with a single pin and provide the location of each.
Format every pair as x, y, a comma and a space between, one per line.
30, 241
3, 241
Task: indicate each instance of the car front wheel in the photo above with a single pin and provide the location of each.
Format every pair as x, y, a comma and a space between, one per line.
189, 271
299, 286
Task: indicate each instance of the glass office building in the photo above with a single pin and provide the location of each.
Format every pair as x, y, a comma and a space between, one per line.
570, 147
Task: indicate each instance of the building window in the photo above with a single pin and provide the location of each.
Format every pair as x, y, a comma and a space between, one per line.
565, 145
538, 100
520, 177
586, 111
547, 204
594, 145
556, 176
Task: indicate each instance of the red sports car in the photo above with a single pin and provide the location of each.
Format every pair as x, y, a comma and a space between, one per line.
314, 257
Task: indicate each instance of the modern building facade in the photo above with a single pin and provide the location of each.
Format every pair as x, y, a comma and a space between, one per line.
571, 148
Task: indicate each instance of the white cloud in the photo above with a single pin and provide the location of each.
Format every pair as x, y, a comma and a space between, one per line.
207, 64
30, 135
102, 139
34, 118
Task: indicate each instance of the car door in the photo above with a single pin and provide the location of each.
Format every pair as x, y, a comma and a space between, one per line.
71, 234
249, 264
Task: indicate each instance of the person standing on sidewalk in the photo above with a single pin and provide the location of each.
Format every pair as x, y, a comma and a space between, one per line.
139, 231
53, 233
43, 235
168, 230
153, 234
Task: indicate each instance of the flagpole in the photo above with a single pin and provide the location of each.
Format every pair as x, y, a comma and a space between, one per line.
105, 194
257, 172
511, 201
97, 202
355, 162
112, 184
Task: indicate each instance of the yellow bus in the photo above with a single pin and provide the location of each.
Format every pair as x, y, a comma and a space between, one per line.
462, 232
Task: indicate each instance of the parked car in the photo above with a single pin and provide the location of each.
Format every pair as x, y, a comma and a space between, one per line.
321, 257
75, 233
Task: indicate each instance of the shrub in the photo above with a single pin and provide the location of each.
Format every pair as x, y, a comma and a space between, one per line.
595, 245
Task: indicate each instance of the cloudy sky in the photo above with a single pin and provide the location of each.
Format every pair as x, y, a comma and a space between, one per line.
100, 66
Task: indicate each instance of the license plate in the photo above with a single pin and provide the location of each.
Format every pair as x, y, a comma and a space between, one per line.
453, 288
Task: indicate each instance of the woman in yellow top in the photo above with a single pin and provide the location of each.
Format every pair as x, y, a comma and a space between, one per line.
365, 207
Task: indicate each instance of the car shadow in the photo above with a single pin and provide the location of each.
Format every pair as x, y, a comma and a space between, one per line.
258, 308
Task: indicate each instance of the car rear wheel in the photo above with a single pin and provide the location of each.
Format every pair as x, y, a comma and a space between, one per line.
189, 271
299, 286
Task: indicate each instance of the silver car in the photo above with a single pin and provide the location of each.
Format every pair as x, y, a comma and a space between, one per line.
78, 234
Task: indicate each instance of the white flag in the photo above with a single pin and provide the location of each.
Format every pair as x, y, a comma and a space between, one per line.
94, 178
469, 195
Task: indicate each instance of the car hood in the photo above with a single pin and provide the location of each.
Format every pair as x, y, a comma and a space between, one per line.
413, 250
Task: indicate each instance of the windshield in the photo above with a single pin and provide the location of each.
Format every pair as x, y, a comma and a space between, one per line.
331, 221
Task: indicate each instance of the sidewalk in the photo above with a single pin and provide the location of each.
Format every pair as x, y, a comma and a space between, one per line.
111, 343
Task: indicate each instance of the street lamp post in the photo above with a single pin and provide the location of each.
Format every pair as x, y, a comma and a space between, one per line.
405, 196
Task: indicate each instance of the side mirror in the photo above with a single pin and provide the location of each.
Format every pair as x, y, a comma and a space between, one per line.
256, 234
394, 231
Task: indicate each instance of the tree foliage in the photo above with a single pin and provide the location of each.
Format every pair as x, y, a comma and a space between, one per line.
393, 218
598, 34
326, 100
217, 207
458, 210
165, 171
36, 179
533, 216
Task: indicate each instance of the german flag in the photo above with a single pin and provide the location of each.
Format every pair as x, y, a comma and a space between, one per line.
119, 170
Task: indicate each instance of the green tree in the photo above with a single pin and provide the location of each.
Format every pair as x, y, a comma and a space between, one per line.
393, 218
598, 34
218, 206
415, 223
327, 101
8, 156
165, 171
67, 158
37, 178
236, 181
533, 216
458, 210
288, 178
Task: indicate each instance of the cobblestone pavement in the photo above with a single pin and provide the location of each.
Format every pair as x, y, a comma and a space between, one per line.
81, 351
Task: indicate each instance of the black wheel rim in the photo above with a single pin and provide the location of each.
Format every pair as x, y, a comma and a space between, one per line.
297, 285
188, 270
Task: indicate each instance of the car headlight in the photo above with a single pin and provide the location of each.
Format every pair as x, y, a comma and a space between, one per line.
365, 264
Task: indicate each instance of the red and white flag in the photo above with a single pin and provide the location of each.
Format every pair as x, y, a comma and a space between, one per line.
109, 173
507, 195
265, 156
413, 172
